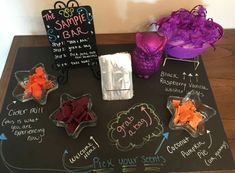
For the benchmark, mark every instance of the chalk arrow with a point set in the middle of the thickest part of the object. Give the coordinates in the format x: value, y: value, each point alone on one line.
x: 165, y: 137
x: 66, y: 152
x: 13, y: 102
x: 196, y: 75
x: 209, y: 133
x: 92, y: 138
x: 190, y: 76
x: 184, y: 74
x: 13, y: 168
x: 3, y: 137
x: 143, y: 109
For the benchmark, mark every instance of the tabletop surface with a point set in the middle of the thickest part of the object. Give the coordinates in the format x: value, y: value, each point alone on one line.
x: 219, y: 65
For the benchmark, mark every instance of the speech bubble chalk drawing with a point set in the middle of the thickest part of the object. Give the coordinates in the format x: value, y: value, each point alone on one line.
x: 135, y: 127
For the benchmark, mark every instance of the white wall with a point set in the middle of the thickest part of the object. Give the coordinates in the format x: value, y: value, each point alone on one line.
x: 110, y: 16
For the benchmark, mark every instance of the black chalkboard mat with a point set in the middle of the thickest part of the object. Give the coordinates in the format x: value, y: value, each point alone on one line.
x: 30, y: 142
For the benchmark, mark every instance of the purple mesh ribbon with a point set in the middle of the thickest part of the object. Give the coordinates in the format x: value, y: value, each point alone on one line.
x: 190, y: 29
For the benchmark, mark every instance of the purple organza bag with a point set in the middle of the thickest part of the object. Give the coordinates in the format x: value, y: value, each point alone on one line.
x: 189, y: 33
x: 147, y: 55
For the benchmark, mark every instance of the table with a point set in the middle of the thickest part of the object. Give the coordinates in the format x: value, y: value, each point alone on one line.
x: 219, y: 64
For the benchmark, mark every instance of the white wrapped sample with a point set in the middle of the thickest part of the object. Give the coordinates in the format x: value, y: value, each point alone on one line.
x: 116, y: 76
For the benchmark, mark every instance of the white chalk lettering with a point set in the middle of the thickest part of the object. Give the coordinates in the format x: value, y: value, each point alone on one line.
x: 170, y: 75
x: 171, y: 149
x: 192, y: 150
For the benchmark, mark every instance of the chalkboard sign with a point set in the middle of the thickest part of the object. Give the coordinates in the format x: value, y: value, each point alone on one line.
x: 71, y: 33
x: 130, y: 135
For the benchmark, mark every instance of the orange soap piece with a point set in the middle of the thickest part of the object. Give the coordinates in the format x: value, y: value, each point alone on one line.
x: 195, y: 120
x: 39, y: 71
x: 40, y: 81
x: 176, y: 103
x: 186, y: 113
x: 37, y: 82
x: 188, y: 105
x: 176, y: 117
x: 184, y: 117
x: 36, y: 90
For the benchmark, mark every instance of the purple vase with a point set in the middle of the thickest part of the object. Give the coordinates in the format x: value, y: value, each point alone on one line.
x: 147, y: 55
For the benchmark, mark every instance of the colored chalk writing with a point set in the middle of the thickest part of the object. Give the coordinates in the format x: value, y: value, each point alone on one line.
x: 24, y: 123
x: 134, y: 127
x: 71, y: 33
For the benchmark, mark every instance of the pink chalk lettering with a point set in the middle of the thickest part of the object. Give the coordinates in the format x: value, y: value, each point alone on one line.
x: 72, y: 33
x: 73, y: 21
x: 48, y: 17
x: 125, y: 124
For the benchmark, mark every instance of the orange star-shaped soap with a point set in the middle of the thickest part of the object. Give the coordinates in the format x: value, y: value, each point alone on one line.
x: 34, y: 84
x: 189, y: 113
